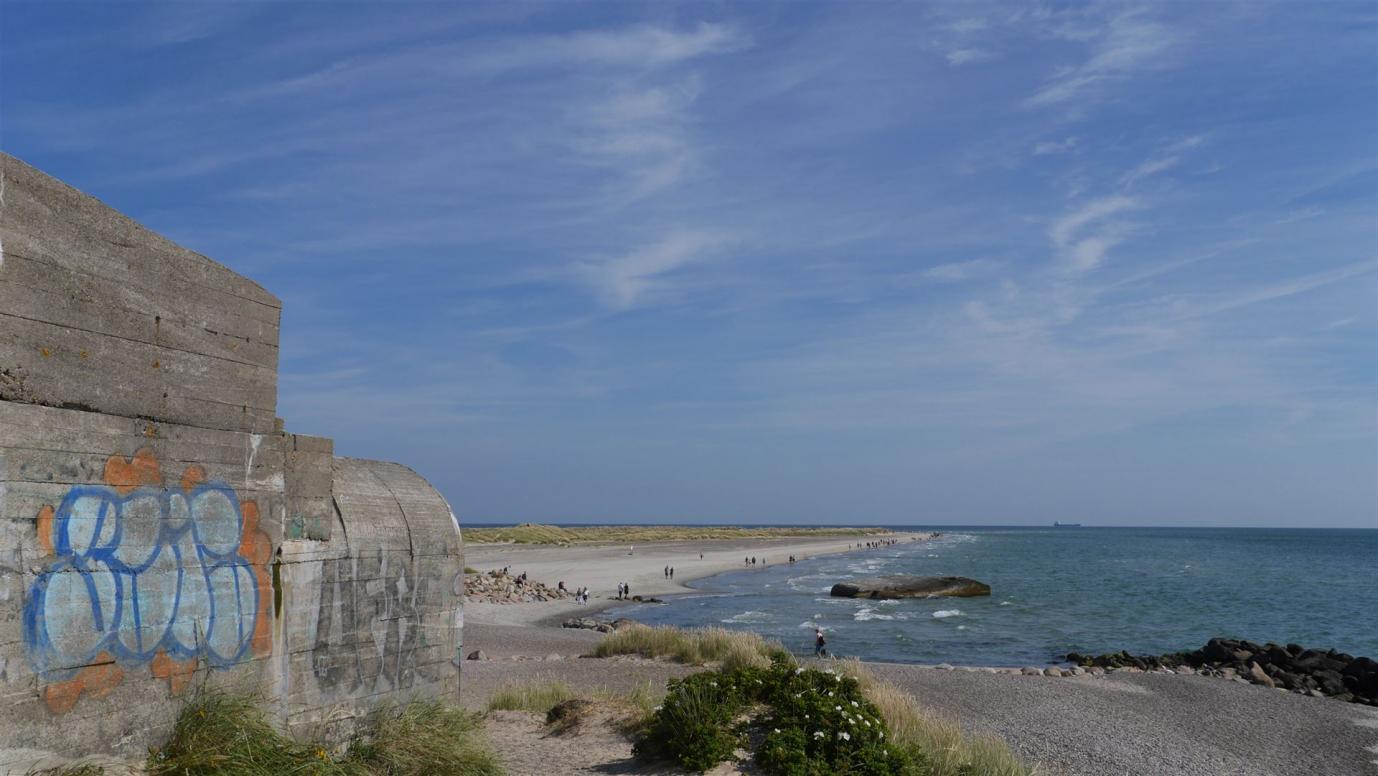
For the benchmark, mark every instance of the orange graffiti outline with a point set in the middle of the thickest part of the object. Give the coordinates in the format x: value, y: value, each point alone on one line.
x: 128, y: 476
x: 96, y: 680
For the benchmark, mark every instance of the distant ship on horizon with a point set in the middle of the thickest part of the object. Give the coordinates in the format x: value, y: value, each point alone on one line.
x: 1056, y: 524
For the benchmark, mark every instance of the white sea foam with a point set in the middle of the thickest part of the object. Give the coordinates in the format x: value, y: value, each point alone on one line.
x: 870, y: 614
x: 1004, y: 603
x: 749, y: 616
x: 943, y: 614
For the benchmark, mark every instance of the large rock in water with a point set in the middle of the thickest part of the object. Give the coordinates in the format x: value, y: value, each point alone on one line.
x: 905, y: 586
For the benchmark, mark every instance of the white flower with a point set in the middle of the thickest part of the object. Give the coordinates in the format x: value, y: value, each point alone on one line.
x: 830, y: 694
x: 798, y: 670
x: 818, y: 734
x: 855, y: 704
x: 715, y: 684
x: 777, y: 730
x: 882, y: 735
x: 806, y: 716
x: 867, y: 721
x: 845, y: 736
x: 658, y: 708
x: 837, y: 708
x: 851, y: 721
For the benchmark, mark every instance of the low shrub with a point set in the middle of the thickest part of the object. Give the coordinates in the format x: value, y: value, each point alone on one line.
x: 807, y: 722
x: 696, y: 724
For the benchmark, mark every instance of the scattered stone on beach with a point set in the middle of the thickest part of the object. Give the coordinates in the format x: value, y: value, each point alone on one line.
x: 602, y: 626
x: 1292, y: 667
x: 499, y: 587
x: 907, y: 586
x: 478, y: 654
x: 1031, y: 671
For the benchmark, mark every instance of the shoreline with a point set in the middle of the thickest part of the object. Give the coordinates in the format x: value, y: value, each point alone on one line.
x: 601, y: 566
x: 1074, y: 723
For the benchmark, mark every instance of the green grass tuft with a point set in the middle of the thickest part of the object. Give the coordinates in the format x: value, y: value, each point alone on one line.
x: 698, y: 646
x: 221, y: 734
x: 538, y: 696
x: 422, y: 738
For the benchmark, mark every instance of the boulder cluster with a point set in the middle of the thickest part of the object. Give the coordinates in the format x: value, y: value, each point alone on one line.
x: 602, y: 626
x: 1291, y: 667
x: 499, y: 587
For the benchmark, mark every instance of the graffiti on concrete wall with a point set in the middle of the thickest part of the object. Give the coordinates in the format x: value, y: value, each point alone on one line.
x: 367, y: 626
x: 146, y: 574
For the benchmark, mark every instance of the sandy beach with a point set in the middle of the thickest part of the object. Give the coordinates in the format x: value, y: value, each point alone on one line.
x: 1145, y: 724
x: 601, y: 567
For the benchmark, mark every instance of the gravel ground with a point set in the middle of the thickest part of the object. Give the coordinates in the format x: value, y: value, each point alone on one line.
x: 1157, y: 724
x: 1118, y: 725
x: 518, y: 655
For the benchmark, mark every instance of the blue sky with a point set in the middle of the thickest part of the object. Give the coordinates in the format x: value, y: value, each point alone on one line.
x: 859, y: 262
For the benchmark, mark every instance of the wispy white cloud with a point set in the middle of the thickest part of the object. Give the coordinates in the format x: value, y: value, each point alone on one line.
x: 1054, y: 147
x: 1084, y: 235
x: 1168, y: 159
x: 1125, y: 45
x: 966, y: 56
x: 960, y: 270
x: 648, y: 272
x: 640, y: 46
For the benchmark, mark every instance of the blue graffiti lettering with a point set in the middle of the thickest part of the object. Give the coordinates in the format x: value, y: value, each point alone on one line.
x: 153, y: 570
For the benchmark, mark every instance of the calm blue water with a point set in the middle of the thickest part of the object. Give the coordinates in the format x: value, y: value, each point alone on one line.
x: 1061, y: 590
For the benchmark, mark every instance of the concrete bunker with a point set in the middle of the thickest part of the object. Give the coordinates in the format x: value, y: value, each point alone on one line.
x: 160, y: 528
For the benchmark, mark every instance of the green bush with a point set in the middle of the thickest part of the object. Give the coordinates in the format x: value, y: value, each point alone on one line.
x: 695, y: 725
x: 808, y: 723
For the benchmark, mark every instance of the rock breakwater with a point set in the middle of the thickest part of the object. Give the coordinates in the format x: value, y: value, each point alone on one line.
x: 1291, y: 667
x: 500, y: 587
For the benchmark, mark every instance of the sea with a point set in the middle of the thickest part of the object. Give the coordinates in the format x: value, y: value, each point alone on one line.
x: 1059, y: 590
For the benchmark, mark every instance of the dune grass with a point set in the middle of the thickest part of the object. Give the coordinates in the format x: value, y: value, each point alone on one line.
x: 697, y: 646
x: 538, y: 696
x: 422, y: 738
x: 542, y: 694
x: 76, y: 769
x: 531, y: 533
x: 937, y: 743
x: 219, y: 734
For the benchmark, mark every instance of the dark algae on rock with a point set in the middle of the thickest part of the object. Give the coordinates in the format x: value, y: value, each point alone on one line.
x: 1291, y: 667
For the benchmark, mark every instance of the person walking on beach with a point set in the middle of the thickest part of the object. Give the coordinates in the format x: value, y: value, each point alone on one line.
x: 820, y: 644
x: 626, y: 588
x: 671, y: 573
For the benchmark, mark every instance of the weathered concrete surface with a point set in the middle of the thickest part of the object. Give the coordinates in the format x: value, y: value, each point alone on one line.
x: 159, y: 529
